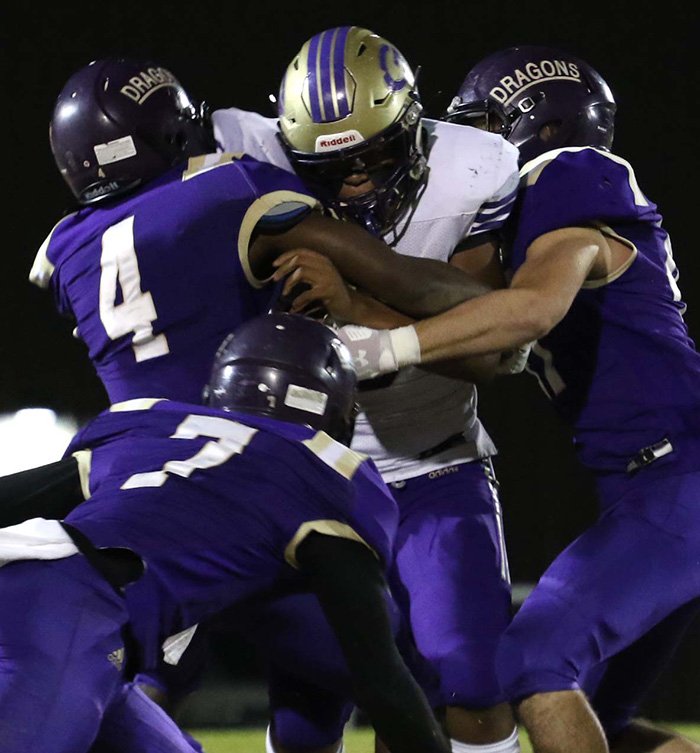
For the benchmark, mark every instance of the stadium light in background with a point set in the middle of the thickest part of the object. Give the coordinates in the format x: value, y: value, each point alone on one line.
x: 32, y: 437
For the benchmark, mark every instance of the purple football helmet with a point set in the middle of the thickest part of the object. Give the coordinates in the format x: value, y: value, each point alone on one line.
x: 288, y: 367
x: 118, y: 123
x: 538, y: 98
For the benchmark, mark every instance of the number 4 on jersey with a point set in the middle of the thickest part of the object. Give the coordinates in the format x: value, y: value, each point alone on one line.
x: 137, y: 311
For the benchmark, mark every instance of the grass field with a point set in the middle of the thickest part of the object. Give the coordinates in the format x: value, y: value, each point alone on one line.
x: 356, y: 741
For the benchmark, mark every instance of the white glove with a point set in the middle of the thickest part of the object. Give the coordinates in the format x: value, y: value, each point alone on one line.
x: 514, y: 361
x: 380, y: 351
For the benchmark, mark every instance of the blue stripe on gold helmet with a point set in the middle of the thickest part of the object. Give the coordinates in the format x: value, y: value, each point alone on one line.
x: 348, y: 101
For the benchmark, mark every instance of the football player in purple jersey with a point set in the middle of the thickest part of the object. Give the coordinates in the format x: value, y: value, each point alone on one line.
x: 595, y: 284
x: 351, y: 125
x: 192, y: 509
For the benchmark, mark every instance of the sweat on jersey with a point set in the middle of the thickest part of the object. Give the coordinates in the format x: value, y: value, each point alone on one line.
x: 156, y: 279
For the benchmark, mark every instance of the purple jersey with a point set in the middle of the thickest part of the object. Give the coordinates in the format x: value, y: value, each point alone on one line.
x: 215, y: 504
x: 157, y: 279
x: 620, y: 367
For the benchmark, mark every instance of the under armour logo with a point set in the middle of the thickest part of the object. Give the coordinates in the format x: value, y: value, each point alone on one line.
x: 116, y: 658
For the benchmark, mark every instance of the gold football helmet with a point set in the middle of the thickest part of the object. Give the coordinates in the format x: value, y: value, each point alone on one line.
x: 348, y: 104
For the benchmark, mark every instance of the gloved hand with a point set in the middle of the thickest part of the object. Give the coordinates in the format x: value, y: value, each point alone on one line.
x: 380, y: 351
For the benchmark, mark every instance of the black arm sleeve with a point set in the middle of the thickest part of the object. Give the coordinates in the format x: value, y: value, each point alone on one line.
x: 349, y: 583
x: 49, y: 491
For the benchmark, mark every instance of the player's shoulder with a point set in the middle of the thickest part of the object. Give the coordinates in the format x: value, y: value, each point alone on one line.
x: 339, y: 457
x: 205, y: 163
x: 50, y: 252
x: 157, y: 417
x: 579, y: 186
x: 587, y: 177
x: 577, y: 162
x: 238, y: 171
x: 315, y: 445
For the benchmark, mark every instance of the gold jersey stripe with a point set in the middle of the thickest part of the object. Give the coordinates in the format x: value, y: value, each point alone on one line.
x: 340, y: 458
x: 138, y: 403
x: 203, y: 163
x: 255, y: 212
x: 601, y: 281
x: 84, y: 458
x: 325, y: 527
x: 42, y: 269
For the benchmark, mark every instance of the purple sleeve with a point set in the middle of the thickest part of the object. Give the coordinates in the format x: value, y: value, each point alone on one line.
x: 289, y: 198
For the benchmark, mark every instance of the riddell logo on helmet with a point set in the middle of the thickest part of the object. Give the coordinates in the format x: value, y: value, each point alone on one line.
x: 532, y: 73
x: 334, y: 141
x: 146, y: 82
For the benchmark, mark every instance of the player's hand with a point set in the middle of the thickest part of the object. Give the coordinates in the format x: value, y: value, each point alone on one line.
x: 371, y: 350
x: 321, y: 281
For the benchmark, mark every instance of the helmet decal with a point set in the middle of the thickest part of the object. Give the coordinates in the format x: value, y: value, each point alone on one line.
x: 306, y: 399
x: 145, y: 83
x: 115, y: 150
x: 388, y: 62
x: 538, y: 98
x: 342, y: 140
x: 512, y: 86
x: 328, y: 95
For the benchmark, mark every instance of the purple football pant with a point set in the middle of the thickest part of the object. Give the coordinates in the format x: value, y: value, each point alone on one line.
x: 623, y: 584
x: 451, y: 579
x: 618, y: 687
x: 61, y: 660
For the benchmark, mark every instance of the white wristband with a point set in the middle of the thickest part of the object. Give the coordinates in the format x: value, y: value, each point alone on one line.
x: 405, y: 344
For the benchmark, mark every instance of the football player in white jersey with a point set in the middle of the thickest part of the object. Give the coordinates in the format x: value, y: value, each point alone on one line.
x: 351, y: 125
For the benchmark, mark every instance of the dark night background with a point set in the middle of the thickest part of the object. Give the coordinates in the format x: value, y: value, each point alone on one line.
x: 234, y: 54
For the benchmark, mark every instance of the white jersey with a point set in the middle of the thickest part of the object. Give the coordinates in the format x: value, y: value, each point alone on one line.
x: 245, y: 131
x: 420, y: 421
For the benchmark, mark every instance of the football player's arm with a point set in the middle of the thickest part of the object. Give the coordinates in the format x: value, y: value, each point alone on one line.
x: 316, y: 286
x: 49, y: 491
x: 325, y: 292
x: 348, y: 580
x: 480, y: 258
x: 540, y: 294
x: 416, y: 287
